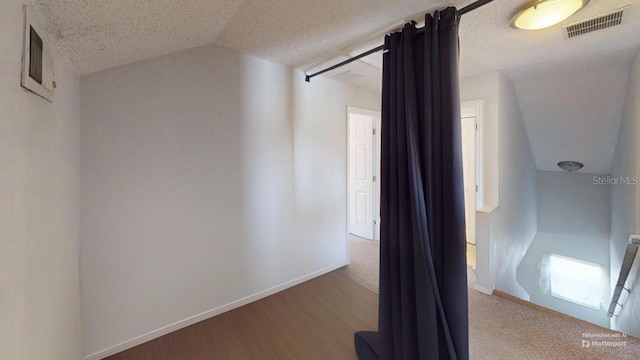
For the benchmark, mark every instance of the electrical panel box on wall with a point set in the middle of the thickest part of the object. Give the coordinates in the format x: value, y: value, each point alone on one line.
x: 37, y: 56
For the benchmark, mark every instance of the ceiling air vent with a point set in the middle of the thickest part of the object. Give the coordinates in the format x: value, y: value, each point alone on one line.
x: 601, y: 22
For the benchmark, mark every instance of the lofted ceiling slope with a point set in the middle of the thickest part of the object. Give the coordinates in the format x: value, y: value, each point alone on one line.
x: 575, y: 116
x: 97, y: 35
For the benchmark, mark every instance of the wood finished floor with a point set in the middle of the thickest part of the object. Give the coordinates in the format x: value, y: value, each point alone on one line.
x: 314, y: 320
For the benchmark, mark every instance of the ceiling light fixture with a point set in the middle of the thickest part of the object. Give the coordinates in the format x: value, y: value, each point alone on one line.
x: 542, y: 14
x: 570, y: 166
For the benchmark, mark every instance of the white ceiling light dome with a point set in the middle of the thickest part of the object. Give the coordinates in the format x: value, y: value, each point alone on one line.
x: 570, y: 166
x: 542, y: 14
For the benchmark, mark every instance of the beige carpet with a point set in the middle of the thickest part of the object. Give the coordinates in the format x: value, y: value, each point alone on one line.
x: 502, y: 329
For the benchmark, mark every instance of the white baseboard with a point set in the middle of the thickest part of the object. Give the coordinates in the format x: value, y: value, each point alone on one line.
x: 483, y: 289
x: 112, y: 350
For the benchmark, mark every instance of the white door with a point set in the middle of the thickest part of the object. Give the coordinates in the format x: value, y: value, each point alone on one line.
x: 361, y: 172
x: 469, y: 168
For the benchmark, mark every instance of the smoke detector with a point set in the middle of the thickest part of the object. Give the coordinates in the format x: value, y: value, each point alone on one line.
x: 570, y: 166
x: 600, y: 22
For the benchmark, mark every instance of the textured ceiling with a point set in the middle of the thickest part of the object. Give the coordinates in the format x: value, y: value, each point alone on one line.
x: 489, y: 43
x: 570, y: 113
x: 575, y: 116
x: 97, y: 35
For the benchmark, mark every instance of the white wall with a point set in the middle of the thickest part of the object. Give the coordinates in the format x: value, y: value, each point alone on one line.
x: 517, y: 209
x: 509, y: 218
x: 485, y: 87
x: 573, y: 221
x: 208, y: 176
x: 573, y: 204
x: 39, y: 201
x: 320, y: 143
x: 625, y: 201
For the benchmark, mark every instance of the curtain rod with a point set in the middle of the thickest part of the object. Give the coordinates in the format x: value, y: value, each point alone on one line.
x: 460, y: 12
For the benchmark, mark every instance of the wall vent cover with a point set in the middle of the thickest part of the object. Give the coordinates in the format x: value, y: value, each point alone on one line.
x: 37, y: 56
x: 601, y: 22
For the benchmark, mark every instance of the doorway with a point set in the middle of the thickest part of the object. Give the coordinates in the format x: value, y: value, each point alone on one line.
x: 471, y: 116
x: 362, y: 173
x: 363, y: 153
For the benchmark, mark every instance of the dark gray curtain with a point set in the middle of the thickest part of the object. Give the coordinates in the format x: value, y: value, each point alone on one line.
x: 423, y: 279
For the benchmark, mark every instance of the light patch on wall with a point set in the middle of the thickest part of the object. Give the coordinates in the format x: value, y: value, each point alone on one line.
x: 573, y: 280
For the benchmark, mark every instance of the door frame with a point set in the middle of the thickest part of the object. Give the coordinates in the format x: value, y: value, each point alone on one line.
x: 475, y: 108
x: 376, y: 166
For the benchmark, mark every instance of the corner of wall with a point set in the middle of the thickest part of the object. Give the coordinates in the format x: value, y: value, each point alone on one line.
x: 39, y: 179
x: 517, y: 174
